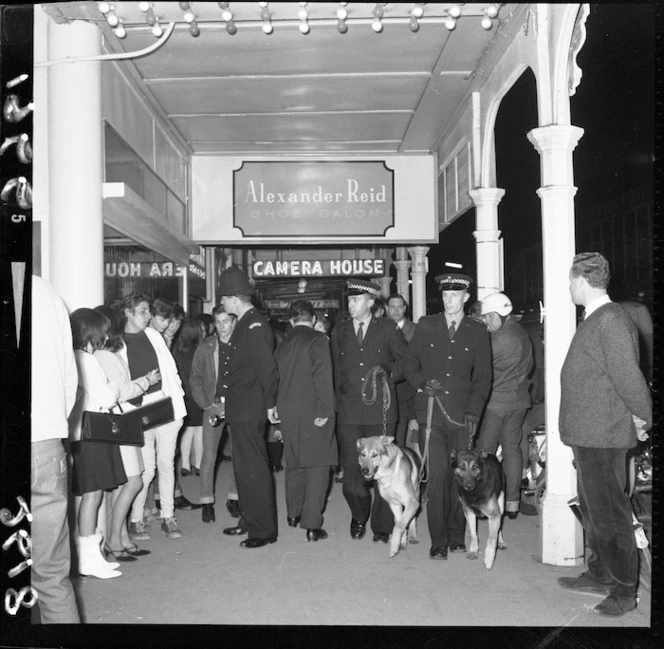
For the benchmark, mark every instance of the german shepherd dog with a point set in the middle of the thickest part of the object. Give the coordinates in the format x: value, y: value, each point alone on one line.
x: 397, y: 472
x: 481, y: 492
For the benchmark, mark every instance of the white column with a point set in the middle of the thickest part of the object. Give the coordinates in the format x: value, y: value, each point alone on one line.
x: 75, y: 161
x: 402, y: 264
x: 419, y: 271
x: 560, y: 533
x: 489, y: 245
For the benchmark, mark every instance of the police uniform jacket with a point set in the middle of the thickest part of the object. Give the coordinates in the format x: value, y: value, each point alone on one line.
x: 461, y: 365
x: 305, y: 393
x: 252, y: 370
x: 384, y: 345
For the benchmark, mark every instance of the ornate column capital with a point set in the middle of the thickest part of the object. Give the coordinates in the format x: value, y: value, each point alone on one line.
x: 555, y: 137
x: 486, y: 196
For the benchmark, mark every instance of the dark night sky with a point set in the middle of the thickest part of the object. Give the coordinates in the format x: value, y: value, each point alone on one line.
x: 614, y: 104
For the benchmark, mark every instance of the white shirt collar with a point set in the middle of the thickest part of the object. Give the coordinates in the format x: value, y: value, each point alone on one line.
x: 366, y: 321
x: 596, y: 304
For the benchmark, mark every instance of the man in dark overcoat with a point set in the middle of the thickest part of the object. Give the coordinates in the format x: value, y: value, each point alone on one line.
x: 251, y: 398
x: 605, y: 406
x: 366, y: 354
x: 449, y: 357
x: 305, y: 407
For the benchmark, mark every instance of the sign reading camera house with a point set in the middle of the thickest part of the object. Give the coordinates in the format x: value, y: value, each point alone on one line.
x: 313, y: 199
x: 315, y: 268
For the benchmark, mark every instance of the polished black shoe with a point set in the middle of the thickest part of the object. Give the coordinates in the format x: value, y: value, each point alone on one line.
x: 357, y: 529
x: 257, y: 543
x: 293, y: 522
x: 615, y: 606
x: 316, y: 535
x: 239, y: 529
x: 233, y: 507
x: 438, y: 552
x: 182, y: 503
x: 197, y: 472
x: 185, y: 472
x: 208, y: 513
x: 457, y: 547
x: 512, y: 515
x: 381, y: 537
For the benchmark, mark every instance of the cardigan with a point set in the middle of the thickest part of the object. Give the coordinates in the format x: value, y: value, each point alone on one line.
x: 602, y: 385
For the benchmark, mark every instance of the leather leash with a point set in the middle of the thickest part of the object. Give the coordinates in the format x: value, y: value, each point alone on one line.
x: 371, y: 379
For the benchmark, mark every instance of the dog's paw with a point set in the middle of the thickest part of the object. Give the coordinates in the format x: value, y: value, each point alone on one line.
x: 502, y: 546
x: 393, y: 553
x: 488, y: 563
x: 472, y: 555
x: 413, y: 540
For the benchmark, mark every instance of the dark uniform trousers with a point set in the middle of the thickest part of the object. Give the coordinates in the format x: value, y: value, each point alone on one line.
x: 357, y: 490
x: 447, y: 523
x: 306, y: 492
x: 255, y: 485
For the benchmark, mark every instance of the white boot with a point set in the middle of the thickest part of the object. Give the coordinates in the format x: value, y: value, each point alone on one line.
x: 111, y: 564
x: 90, y: 560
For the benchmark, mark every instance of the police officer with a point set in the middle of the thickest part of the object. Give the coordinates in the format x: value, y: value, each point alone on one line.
x: 250, y: 400
x: 366, y: 355
x: 449, y: 356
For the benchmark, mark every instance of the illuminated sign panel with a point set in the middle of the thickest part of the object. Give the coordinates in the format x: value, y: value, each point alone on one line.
x: 326, y: 268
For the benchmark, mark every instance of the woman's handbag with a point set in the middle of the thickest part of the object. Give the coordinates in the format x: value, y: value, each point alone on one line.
x: 112, y: 428
x: 156, y: 412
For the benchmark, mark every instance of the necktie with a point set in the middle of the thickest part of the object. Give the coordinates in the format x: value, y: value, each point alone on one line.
x: 360, y: 333
x: 452, y: 329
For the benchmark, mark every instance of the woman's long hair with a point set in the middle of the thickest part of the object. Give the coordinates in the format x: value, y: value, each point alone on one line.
x: 89, y: 326
x: 115, y: 340
x: 190, y: 336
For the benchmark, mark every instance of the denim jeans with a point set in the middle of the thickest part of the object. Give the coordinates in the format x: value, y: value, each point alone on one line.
x: 159, y: 456
x: 505, y: 429
x: 211, y: 439
x: 607, y: 517
x: 50, y: 534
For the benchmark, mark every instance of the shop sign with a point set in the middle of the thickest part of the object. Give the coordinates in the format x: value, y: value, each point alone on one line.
x: 151, y: 269
x: 315, y: 268
x: 313, y: 198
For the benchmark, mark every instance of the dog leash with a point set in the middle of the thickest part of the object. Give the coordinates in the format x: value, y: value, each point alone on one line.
x: 372, y: 380
x: 424, y: 470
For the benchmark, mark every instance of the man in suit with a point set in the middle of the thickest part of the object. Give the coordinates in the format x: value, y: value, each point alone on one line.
x: 305, y: 403
x: 366, y: 354
x: 605, y: 407
x: 251, y: 398
x: 449, y: 357
x: 396, y: 310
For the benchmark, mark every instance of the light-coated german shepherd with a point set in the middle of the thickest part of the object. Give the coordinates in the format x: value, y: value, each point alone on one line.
x: 397, y: 472
x: 481, y: 491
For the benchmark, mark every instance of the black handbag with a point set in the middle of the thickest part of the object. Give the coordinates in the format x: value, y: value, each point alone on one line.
x: 155, y: 413
x: 112, y: 428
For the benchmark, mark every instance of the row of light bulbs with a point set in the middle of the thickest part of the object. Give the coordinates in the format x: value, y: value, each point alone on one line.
x: 453, y: 13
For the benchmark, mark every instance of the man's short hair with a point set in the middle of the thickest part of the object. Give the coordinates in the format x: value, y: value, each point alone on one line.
x: 178, y: 311
x: 162, y: 307
x: 220, y: 309
x: 131, y: 301
x: 592, y: 266
x: 301, y: 311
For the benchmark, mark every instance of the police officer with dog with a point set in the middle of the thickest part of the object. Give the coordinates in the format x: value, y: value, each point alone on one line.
x: 448, y: 358
x: 366, y: 355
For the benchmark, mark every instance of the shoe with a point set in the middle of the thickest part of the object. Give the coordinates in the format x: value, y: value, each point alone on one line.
x: 138, y: 532
x: 614, y: 606
x: 527, y: 509
x: 119, y: 555
x: 525, y: 483
x: 339, y: 476
x: 438, y: 552
x: 316, y: 535
x: 182, y: 503
x: 457, y: 547
x: 152, y: 515
x: 170, y: 528
x: 257, y: 543
x: 197, y: 471
x: 357, y: 529
x: 226, y: 458
x: 293, y: 522
x: 239, y: 529
x: 511, y: 515
x: 185, y: 472
x: 233, y: 507
x: 584, y: 583
x: 381, y: 537
x: 91, y: 562
x: 208, y: 513
x: 135, y: 551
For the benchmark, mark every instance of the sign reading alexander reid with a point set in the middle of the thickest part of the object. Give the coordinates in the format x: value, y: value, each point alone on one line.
x: 313, y: 198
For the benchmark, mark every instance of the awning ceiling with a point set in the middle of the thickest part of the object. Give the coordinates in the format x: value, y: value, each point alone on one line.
x: 363, y: 91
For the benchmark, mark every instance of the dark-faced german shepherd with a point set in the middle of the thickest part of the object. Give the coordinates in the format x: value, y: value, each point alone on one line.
x: 481, y: 491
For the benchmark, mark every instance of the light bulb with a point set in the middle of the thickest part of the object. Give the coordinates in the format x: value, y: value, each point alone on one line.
x: 418, y: 12
x: 104, y: 7
x: 189, y: 16
x: 491, y: 11
x: 157, y: 31
x: 342, y: 14
x: 230, y: 27
x: 304, y: 27
x: 120, y: 31
x: 184, y: 5
x: 112, y: 20
x: 378, y: 11
x: 267, y: 28
x: 150, y: 17
x: 414, y: 25
x: 263, y: 4
x: 377, y: 26
x: 265, y: 14
x: 144, y: 6
x: 486, y: 22
x: 450, y: 23
x: 302, y: 14
x: 194, y: 30
x: 454, y: 11
x: 342, y: 26
x: 226, y: 15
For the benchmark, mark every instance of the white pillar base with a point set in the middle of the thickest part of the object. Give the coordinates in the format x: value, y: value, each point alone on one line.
x: 560, y: 549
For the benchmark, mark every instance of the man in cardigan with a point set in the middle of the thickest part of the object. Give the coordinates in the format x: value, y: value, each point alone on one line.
x: 449, y: 357
x: 365, y: 350
x: 605, y: 407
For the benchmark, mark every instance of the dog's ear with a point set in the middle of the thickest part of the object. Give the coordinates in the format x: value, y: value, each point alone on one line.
x: 360, y: 444
x: 385, y: 440
x: 453, y: 455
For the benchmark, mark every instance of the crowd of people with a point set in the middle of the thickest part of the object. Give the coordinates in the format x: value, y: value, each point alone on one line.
x: 315, y: 389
